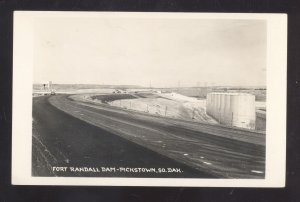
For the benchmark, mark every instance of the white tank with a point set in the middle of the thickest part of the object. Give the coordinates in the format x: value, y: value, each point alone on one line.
x: 232, y: 109
x: 49, y: 85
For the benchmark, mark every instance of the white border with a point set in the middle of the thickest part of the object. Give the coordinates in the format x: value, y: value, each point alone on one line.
x: 22, y: 103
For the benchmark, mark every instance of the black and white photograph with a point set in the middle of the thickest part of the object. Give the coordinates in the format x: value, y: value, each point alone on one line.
x: 152, y: 96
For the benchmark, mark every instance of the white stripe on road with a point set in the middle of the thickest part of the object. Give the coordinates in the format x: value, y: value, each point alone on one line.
x: 256, y: 171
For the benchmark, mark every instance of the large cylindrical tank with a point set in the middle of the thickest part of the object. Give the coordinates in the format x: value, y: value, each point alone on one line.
x: 232, y: 109
x: 49, y: 85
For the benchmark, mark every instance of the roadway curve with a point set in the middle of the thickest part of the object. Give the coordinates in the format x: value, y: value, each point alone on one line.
x: 78, y: 133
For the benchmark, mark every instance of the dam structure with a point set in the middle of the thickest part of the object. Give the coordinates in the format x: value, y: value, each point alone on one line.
x: 232, y: 109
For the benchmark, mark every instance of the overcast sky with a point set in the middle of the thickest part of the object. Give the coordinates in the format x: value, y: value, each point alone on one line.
x: 165, y: 52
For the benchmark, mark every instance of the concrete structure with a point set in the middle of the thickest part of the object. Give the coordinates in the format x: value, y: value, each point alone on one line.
x: 232, y: 109
x: 50, y: 85
x: 46, y: 89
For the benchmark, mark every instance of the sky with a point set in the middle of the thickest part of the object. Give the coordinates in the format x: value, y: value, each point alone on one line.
x: 161, y: 52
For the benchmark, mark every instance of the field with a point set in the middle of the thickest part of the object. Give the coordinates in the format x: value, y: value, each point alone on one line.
x: 72, y: 87
x: 198, y: 92
x: 201, y: 92
x: 106, y: 99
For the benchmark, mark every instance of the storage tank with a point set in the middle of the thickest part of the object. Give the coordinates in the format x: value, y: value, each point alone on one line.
x: 49, y: 85
x: 232, y: 109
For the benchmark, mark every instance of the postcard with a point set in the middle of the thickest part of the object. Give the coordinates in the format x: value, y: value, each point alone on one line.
x: 149, y: 99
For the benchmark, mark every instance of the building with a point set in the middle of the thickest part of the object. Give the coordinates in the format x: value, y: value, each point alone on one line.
x: 232, y: 109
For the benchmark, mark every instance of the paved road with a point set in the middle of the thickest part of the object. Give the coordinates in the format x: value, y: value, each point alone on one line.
x: 60, y: 140
x: 104, y: 136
